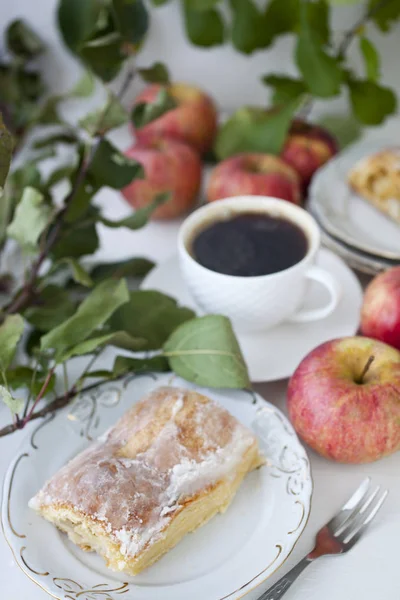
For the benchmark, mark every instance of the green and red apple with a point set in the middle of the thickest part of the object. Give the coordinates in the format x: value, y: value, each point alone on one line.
x: 380, y: 314
x: 344, y: 399
x: 307, y: 148
x: 193, y: 120
x: 254, y: 174
x: 169, y: 166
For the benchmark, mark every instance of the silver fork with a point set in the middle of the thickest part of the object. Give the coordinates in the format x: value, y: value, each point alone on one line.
x: 337, y: 536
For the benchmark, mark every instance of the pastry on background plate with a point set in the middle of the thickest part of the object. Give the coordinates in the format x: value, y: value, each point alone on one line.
x: 172, y: 462
x: 377, y: 179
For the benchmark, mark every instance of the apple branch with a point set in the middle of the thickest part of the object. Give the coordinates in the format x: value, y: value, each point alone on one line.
x: 24, y: 297
x: 57, y: 403
x: 355, y: 29
x: 366, y: 368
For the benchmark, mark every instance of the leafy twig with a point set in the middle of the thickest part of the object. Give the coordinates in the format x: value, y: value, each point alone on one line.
x: 39, y: 396
x: 24, y: 297
x: 353, y: 31
x: 57, y: 404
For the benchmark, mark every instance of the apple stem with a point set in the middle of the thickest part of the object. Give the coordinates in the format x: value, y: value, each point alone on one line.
x: 366, y: 368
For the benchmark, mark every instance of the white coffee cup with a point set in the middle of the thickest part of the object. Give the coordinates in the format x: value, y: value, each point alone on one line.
x: 260, y: 302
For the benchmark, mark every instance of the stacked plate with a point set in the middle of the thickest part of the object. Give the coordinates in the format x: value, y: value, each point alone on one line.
x: 365, y: 238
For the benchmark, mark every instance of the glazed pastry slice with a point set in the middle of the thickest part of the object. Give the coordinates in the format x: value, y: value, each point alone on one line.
x: 170, y: 464
x: 377, y: 179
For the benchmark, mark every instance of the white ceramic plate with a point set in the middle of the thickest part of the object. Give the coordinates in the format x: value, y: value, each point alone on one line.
x: 347, y: 216
x: 356, y: 259
x: 275, y: 353
x: 226, y: 558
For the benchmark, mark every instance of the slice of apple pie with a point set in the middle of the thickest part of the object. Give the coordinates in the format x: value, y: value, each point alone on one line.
x: 377, y: 179
x: 171, y: 463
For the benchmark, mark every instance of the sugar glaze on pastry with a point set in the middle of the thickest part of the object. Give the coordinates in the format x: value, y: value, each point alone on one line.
x: 171, y: 463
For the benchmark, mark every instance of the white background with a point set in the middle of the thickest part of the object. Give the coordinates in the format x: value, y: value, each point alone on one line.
x: 370, y: 571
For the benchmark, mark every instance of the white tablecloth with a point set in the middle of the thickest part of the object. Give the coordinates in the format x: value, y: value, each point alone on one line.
x: 370, y: 571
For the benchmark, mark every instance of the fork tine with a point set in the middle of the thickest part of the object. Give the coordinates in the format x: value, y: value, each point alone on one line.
x: 357, y: 514
x: 360, y: 524
x: 351, y: 506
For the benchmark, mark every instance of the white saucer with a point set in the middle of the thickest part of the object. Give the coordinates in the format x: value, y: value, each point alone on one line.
x: 275, y: 354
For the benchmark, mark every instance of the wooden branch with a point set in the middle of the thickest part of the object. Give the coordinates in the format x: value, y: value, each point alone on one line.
x: 57, y: 404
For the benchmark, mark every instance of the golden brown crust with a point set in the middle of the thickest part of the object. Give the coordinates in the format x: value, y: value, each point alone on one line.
x: 124, y: 496
x: 377, y: 179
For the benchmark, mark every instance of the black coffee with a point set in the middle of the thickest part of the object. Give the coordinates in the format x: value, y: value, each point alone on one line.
x: 250, y: 244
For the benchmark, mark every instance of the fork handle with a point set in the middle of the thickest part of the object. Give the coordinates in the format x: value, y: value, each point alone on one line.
x: 283, y: 584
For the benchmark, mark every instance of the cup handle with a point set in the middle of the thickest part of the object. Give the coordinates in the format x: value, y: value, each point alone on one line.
x: 333, y: 287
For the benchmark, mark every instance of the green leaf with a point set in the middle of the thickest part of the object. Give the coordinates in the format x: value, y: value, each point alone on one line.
x: 93, y: 312
x: 120, y: 339
x: 112, y: 168
x: 6, y: 150
x: 150, y: 315
x: 25, y: 377
x: 205, y: 350
x: 145, y: 112
x: 84, y: 87
x: 11, y: 331
x: 248, y: 31
x: 321, y: 72
x: 62, y: 137
x: 54, y: 306
x: 32, y: 217
x: 132, y: 267
x: 202, y: 4
x: 110, y: 116
x: 63, y: 172
x: 48, y: 112
x: 255, y: 130
x: 344, y: 2
x: 204, y: 28
x: 77, y: 20
x: 371, y: 59
x: 22, y: 41
x: 281, y: 17
x: 344, y: 127
x: 371, y: 102
x: 80, y: 204
x: 76, y: 240
x: 79, y: 274
x: 132, y: 19
x: 386, y: 15
x: 140, y: 217
x: 104, y: 55
x: 126, y: 364
x: 27, y: 175
x: 14, y: 404
x: 159, y: 2
x: 157, y: 73
x: 284, y: 88
x: 98, y: 373
x: 318, y: 16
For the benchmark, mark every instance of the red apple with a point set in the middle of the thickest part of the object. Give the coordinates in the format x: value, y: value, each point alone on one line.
x: 193, y: 121
x: 169, y: 166
x: 380, y: 314
x: 307, y: 148
x: 255, y: 174
x: 344, y: 406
